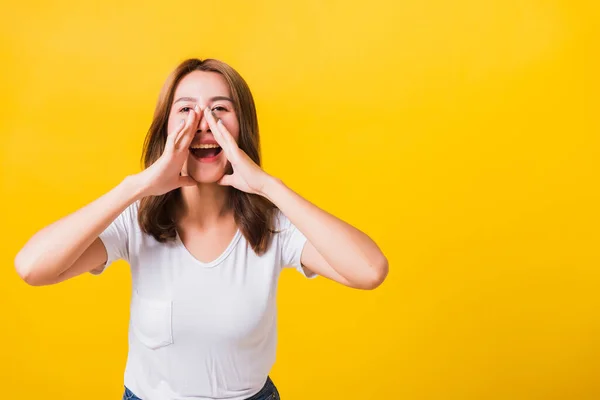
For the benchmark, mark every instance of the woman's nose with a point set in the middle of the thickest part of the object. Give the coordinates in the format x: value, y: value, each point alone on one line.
x: 202, y: 122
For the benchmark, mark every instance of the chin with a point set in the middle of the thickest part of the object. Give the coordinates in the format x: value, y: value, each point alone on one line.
x: 206, y: 175
x: 206, y: 179
x: 206, y: 172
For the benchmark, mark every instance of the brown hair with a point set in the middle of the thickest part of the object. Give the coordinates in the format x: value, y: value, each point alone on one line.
x: 253, y: 213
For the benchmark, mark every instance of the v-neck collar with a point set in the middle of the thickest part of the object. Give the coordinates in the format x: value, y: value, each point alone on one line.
x: 216, y: 261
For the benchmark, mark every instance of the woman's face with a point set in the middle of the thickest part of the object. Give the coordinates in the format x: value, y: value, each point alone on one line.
x: 207, y: 89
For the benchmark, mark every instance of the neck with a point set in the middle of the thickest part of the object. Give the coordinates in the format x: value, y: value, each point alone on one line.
x: 204, y: 205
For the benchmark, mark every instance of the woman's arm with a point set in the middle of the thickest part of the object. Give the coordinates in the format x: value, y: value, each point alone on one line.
x: 55, y: 249
x: 335, y: 249
x: 71, y: 246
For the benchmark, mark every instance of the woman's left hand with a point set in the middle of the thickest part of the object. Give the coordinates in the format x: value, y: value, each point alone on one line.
x: 247, y: 176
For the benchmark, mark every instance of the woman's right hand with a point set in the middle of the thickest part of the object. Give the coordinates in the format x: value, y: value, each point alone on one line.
x: 165, y: 174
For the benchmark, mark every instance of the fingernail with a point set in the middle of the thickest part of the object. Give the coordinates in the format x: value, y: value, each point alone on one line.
x: 197, y: 108
x: 182, y: 122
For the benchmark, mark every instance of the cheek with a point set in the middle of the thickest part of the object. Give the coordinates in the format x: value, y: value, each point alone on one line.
x: 234, y: 129
x: 236, y: 135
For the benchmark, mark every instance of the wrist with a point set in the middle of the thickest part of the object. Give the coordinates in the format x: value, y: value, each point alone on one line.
x: 133, y: 186
x: 271, y: 187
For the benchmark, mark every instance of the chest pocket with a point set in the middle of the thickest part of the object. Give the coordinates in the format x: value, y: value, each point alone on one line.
x: 151, y: 321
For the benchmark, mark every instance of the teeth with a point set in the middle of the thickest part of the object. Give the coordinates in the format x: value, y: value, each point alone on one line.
x: 204, y: 146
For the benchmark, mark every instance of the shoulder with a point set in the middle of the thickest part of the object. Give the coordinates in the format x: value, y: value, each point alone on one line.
x: 131, y: 211
x: 280, y: 221
x: 129, y: 217
x: 134, y: 207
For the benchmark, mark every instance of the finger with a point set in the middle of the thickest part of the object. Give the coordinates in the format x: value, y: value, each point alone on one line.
x: 188, y: 137
x: 226, y: 180
x: 182, y: 131
x: 186, y: 181
x: 172, y: 136
x: 189, y: 126
x: 226, y: 134
x: 210, y: 118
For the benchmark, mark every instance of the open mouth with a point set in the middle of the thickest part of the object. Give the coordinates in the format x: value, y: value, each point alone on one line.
x: 205, y: 151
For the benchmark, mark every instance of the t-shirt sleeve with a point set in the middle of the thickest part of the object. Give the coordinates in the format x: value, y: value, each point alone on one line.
x: 116, y: 237
x: 291, y: 242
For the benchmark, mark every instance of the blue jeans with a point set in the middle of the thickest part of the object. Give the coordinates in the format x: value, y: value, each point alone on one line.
x: 268, y: 392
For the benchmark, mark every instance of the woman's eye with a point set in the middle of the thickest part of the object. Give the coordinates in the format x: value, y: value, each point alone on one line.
x: 185, y: 109
x: 219, y: 108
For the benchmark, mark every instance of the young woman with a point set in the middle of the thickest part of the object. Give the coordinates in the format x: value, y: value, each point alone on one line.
x: 206, y: 232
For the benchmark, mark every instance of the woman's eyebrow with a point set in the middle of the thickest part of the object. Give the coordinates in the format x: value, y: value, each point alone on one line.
x: 212, y: 99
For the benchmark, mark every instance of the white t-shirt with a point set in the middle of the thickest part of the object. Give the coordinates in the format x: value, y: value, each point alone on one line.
x: 197, y: 330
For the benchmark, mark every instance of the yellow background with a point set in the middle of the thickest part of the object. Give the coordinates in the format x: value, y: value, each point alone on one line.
x: 462, y: 135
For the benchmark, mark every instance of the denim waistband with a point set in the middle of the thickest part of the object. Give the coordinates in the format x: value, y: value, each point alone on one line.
x: 268, y: 391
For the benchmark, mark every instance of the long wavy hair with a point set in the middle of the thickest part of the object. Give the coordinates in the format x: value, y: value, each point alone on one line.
x: 254, y: 214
